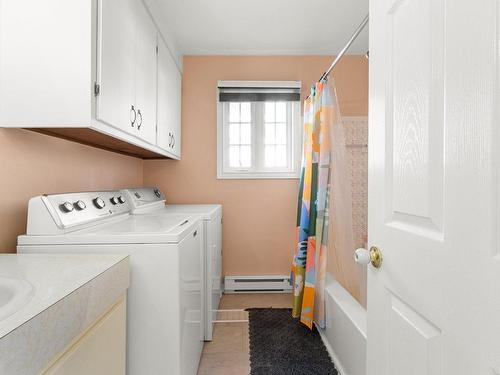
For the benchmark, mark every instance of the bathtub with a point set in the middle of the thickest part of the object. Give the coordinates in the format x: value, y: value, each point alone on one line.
x: 345, y: 332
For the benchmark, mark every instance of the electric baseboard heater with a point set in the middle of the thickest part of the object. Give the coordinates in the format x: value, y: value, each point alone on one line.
x: 257, y: 284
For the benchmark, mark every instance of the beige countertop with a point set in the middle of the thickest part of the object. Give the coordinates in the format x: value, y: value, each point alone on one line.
x: 62, y: 296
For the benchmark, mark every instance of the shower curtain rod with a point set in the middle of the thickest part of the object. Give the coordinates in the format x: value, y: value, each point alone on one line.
x: 346, y: 47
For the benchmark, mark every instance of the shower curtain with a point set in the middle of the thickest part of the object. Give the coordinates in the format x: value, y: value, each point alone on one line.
x: 323, y: 173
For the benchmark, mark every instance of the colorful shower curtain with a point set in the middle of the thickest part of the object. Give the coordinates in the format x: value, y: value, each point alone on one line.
x: 309, y: 263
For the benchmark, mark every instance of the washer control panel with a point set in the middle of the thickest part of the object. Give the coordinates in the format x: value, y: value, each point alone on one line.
x: 142, y: 197
x: 70, y: 209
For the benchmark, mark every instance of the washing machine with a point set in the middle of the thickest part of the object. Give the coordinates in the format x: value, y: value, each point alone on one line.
x: 151, y: 201
x: 165, y: 298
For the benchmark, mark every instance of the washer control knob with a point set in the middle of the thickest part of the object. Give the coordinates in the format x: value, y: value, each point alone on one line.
x: 66, y: 207
x: 121, y: 199
x: 114, y: 200
x: 99, y: 203
x: 80, y: 205
x: 157, y: 192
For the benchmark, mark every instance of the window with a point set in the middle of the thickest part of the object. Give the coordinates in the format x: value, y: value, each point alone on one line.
x: 259, y: 130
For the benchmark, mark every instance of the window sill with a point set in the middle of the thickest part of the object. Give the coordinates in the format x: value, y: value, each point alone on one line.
x: 258, y: 176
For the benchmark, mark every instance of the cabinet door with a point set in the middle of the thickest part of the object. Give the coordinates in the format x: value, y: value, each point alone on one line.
x: 145, y: 74
x: 45, y: 63
x: 169, y: 102
x: 176, y: 109
x: 101, y: 351
x: 116, y: 63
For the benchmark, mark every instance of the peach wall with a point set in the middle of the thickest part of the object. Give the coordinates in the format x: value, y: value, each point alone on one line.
x: 259, y: 215
x: 33, y: 164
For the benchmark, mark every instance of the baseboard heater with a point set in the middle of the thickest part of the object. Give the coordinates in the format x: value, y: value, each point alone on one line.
x: 257, y: 284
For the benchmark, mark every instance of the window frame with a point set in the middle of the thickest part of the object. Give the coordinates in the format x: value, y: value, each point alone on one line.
x: 257, y: 170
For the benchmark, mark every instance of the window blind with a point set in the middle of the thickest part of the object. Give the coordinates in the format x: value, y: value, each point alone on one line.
x: 259, y: 94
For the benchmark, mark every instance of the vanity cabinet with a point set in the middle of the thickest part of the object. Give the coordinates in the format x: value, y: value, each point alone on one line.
x: 101, y: 350
x: 88, y: 70
x: 169, y: 102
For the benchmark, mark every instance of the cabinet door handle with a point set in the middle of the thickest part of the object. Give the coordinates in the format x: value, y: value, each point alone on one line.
x: 169, y: 139
x: 140, y: 119
x: 173, y: 141
x: 132, y: 119
x: 195, y: 233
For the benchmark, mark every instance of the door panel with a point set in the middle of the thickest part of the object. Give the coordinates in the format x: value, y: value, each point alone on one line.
x: 434, y: 305
x: 145, y: 74
x: 169, y: 102
x: 116, y: 63
x: 420, y: 352
x: 414, y: 104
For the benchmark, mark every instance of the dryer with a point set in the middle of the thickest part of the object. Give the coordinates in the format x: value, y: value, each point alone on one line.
x: 151, y: 201
x: 165, y: 298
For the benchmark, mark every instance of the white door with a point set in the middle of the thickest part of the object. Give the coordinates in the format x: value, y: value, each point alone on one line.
x: 434, y: 305
x: 116, y: 63
x: 145, y: 75
x: 169, y: 102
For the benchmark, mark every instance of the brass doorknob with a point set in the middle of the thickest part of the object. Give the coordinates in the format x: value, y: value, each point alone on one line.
x: 373, y: 256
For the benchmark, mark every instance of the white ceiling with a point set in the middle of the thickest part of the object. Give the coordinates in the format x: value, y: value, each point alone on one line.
x: 261, y: 27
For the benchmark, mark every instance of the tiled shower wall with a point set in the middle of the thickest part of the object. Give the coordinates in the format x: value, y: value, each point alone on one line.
x: 356, y: 134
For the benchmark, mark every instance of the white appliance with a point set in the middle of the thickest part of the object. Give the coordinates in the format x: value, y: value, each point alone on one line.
x: 151, y: 201
x: 164, y: 322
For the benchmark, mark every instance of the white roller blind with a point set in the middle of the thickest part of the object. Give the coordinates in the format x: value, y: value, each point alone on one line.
x: 259, y: 91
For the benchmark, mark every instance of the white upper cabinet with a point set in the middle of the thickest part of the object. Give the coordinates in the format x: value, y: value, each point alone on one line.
x: 88, y: 71
x: 116, y: 63
x: 45, y: 63
x: 169, y: 102
x: 145, y: 75
x: 127, y: 68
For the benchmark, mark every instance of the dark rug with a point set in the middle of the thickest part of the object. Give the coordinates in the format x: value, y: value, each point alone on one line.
x: 280, y: 345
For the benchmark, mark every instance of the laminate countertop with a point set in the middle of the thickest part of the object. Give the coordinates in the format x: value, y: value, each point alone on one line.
x: 58, y: 296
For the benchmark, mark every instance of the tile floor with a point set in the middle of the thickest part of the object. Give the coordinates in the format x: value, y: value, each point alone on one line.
x: 228, y: 352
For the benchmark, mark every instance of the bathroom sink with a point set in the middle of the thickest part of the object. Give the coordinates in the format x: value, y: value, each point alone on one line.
x: 14, y: 294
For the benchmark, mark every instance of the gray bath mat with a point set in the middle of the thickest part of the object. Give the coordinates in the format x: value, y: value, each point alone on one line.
x: 280, y: 345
